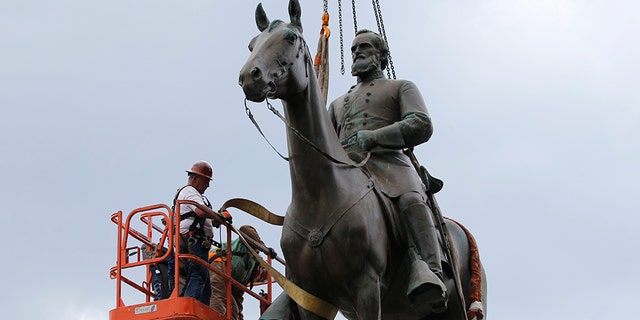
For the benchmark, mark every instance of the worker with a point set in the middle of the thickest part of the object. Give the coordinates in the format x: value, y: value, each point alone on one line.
x: 196, y: 232
x: 245, y: 269
x: 159, y: 274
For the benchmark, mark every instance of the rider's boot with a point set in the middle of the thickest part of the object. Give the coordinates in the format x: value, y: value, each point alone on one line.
x: 425, y: 281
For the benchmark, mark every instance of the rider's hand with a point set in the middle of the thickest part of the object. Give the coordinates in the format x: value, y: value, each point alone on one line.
x: 366, y: 140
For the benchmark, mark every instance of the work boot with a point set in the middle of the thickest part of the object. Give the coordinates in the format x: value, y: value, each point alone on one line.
x: 425, y: 282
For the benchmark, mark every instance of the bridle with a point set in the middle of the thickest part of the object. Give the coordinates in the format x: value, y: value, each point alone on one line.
x: 287, y: 67
x: 300, y: 136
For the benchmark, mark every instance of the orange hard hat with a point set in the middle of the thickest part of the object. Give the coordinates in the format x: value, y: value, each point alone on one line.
x: 202, y: 168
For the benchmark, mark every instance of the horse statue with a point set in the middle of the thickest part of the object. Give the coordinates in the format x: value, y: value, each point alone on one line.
x: 336, y: 240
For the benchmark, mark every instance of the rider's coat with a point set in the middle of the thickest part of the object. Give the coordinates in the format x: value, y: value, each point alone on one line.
x: 395, y: 110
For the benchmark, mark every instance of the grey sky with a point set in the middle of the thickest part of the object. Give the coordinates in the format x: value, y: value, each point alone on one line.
x: 535, y: 105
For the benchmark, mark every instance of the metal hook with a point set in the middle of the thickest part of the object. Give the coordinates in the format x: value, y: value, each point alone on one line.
x: 247, y: 110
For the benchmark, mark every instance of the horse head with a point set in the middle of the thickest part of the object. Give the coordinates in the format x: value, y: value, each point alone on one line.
x: 274, y: 69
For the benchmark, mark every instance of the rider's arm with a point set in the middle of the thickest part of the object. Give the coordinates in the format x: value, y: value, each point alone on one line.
x: 413, y: 128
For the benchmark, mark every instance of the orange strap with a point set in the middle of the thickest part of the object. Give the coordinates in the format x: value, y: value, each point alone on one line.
x: 326, y: 32
x: 325, y: 25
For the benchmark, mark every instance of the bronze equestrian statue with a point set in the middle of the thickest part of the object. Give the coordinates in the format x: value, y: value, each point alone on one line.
x: 342, y: 238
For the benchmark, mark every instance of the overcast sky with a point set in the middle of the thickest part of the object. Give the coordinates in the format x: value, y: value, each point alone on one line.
x: 535, y: 104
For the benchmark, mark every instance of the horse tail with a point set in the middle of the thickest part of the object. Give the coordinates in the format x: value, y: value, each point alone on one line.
x: 475, y: 295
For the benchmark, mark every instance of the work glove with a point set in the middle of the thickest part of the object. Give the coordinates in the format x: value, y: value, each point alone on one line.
x: 225, y: 215
x: 272, y: 253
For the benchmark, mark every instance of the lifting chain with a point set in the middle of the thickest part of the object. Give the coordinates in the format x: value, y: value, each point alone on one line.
x: 378, y: 13
x: 355, y: 30
x: 341, y: 37
x: 391, y: 71
x: 355, y: 22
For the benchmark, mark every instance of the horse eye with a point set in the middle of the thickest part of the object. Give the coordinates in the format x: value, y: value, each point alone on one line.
x: 291, y: 37
x: 250, y: 47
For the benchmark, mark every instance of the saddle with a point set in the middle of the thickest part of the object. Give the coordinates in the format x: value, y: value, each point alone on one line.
x: 431, y: 185
x: 396, y: 228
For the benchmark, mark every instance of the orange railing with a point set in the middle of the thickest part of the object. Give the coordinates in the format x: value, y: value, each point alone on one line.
x: 129, y: 256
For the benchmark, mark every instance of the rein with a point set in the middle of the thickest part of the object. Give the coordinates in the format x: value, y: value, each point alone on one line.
x: 255, y: 123
x: 300, y: 136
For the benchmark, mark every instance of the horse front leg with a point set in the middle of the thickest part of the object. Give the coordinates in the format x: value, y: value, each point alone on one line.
x: 367, y: 304
x: 367, y: 301
x: 308, y: 315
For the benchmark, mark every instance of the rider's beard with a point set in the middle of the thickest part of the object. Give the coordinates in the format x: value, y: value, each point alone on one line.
x: 365, y: 66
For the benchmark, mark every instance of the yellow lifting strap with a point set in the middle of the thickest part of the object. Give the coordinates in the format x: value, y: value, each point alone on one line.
x: 254, y: 209
x: 321, y: 61
x: 297, y: 294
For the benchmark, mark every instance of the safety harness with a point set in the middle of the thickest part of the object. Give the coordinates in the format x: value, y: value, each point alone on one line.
x: 198, y: 222
x: 243, y: 264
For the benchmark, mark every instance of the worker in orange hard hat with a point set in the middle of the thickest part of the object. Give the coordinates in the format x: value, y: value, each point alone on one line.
x: 202, y: 169
x: 196, y: 230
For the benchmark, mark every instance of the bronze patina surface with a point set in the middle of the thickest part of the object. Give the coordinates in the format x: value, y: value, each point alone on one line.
x: 338, y: 243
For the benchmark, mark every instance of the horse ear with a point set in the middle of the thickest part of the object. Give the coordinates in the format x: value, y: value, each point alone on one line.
x: 294, y: 13
x: 261, y: 18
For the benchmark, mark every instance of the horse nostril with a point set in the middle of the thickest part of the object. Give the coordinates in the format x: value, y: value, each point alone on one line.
x: 256, y: 73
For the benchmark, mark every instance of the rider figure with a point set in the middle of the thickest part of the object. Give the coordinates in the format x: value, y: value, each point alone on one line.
x: 385, y: 116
